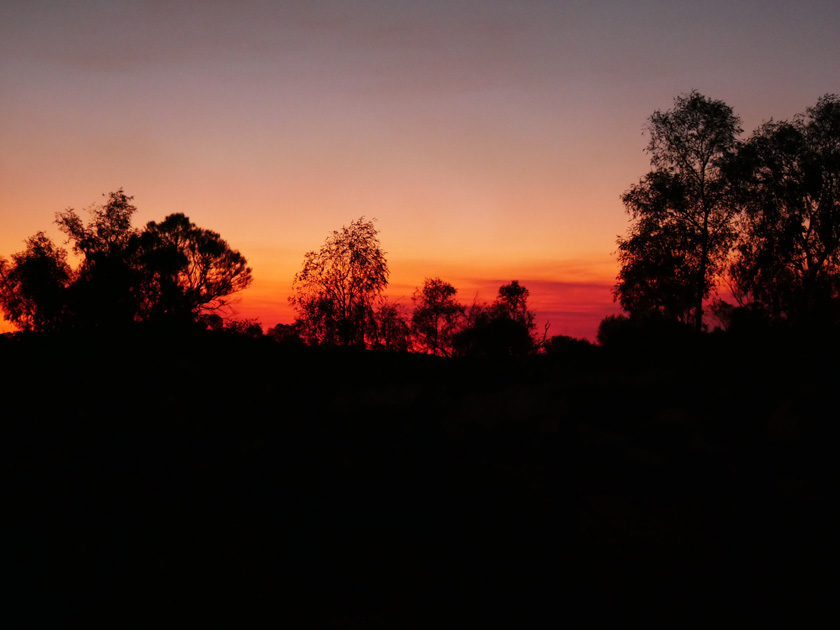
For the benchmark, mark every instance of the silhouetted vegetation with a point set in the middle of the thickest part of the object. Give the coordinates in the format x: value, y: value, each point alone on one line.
x: 503, y: 328
x: 336, y: 291
x: 676, y: 248
x: 437, y: 317
x: 760, y: 216
x: 170, y: 273
x: 788, y: 187
x: 379, y: 461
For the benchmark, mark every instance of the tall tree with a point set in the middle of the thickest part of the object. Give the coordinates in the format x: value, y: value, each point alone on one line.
x: 788, y: 174
x: 681, y: 212
x: 106, y: 289
x: 437, y: 316
x: 336, y: 292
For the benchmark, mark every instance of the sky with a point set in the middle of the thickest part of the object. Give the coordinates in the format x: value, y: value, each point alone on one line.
x: 490, y: 140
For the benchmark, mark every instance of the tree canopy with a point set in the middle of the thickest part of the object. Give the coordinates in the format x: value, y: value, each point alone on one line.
x: 33, y: 288
x: 788, y: 182
x: 172, y: 271
x: 339, y: 286
x: 437, y: 316
x: 190, y: 270
x: 682, y: 214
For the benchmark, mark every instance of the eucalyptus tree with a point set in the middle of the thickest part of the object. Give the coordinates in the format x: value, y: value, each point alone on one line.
x: 337, y: 290
x: 188, y: 271
x: 681, y: 211
x: 788, y: 182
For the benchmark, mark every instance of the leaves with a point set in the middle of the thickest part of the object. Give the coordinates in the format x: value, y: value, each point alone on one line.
x: 682, y: 212
x: 788, y: 184
x: 338, y: 286
x: 437, y: 316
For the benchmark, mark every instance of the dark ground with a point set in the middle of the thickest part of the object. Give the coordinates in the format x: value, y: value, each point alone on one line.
x: 210, y: 475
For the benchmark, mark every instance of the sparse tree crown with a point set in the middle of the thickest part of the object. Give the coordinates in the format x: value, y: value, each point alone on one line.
x: 336, y: 291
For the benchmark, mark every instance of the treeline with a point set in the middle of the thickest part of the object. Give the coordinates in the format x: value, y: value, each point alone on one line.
x: 174, y: 274
x: 757, y: 216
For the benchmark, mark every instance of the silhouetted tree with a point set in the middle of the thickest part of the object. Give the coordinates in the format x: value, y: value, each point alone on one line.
x: 512, y: 302
x: 393, y: 330
x: 504, y: 328
x: 107, y: 287
x: 788, y: 182
x: 188, y: 270
x: 682, y: 214
x: 33, y: 289
x: 336, y: 291
x: 437, y: 316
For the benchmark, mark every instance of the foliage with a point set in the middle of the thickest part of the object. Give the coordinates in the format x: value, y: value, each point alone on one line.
x: 393, y: 329
x: 33, y: 289
x: 189, y: 270
x: 336, y: 291
x: 245, y: 327
x: 682, y: 214
x: 108, y: 231
x: 286, y: 334
x: 788, y: 254
x: 173, y: 271
x: 644, y: 335
x: 107, y: 287
x: 503, y: 328
x: 437, y: 316
x: 566, y: 345
x: 512, y: 302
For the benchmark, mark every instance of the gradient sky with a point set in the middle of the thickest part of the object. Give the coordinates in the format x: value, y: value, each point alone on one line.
x: 491, y: 140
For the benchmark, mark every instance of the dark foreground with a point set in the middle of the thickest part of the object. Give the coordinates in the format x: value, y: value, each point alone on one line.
x: 210, y: 476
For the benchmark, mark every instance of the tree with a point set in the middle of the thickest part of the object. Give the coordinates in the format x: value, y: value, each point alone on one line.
x: 336, y: 291
x: 106, y: 290
x: 437, y: 316
x: 33, y: 289
x: 393, y: 330
x: 188, y: 271
x: 682, y: 213
x: 512, y: 302
x: 503, y: 328
x: 788, y: 256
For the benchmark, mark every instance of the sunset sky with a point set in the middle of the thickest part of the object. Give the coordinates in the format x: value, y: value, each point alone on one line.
x: 491, y: 140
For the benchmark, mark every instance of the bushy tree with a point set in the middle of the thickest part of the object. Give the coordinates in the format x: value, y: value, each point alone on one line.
x: 787, y: 177
x: 503, y: 328
x: 437, y: 316
x: 681, y: 210
x: 393, y: 329
x: 107, y: 287
x: 173, y: 271
x: 189, y: 271
x: 34, y: 287
x: 512, y: 302
x: 336, y: 292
